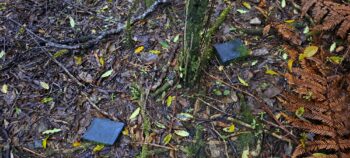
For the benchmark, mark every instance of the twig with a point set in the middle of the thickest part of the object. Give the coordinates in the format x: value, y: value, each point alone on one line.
x: 234, y: 120
x: 32, y: 152
x: 261, y: 103
x: 226, y: 151
x: 164, y: 70
x: 98, y: 108
x: 79, y: 83
x: 160, y: 146
x: 98, y: 38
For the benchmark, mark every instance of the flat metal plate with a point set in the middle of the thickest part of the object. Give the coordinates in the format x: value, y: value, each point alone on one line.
x: 103, y: 131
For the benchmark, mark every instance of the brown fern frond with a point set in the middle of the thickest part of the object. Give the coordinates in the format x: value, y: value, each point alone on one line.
x: 328, y: 15
x: 326, y: 112
x: 313, y: 146
x: 314, y: 128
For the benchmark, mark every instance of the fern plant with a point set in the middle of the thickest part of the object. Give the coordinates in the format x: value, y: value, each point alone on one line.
x: 328, y: 15
x: 325, y: 112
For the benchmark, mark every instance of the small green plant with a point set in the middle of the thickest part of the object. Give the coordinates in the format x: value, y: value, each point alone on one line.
x: 135, y: 92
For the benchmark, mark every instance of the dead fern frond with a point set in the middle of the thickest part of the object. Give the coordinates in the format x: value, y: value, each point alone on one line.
x: 325, y: 98
x: 328, y: 15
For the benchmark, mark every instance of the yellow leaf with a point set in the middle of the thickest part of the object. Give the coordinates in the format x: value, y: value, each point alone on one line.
x: 230, y: 129
x: 321, y: 155
x: 125, y: 132
x: 139, y: 49
x: 289, y: 21
x: 44, y: 142
x: 102, y: 61
x: 271, y: 72
x: 135, y: 113
x: 308, y: 52
x: 156, y: 52
x: 4, y: 88
x: 60, y: 53
x: 78, y: 60
x: 167, y: 139
x: 300, y: 111
x: 243, y: 82
x: 247, y: 5
x: 335, y: 59
x: 76, y: 144
x: 169, y: 100
x: 290, y: 65
x: 98, y: 148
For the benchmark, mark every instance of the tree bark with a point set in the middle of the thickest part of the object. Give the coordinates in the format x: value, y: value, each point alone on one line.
x: 190, y: 56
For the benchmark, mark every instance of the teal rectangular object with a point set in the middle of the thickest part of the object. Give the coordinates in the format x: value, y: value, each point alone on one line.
x: 103, y: 131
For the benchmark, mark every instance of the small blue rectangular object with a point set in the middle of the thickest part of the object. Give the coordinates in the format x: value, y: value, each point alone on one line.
x: 103, y: 131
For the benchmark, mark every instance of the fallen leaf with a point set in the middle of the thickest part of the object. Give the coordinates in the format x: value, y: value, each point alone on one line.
x: 46, y: 100
x: 125, y: 132
x: 76, y: 144
x: 290, y: 65
x: 226, y: 92
x: 184, y: 116
x: 71, y: 22
x: 247, y: 5
x: 135, y: 113
x: 333, y: 46
x: 107, y: 73
x: 319, y: 155
x: 44, y: 85
x: 300, y: 111
x: 245, y: 153
x: 60, y: 53
x: 167, y: 139
x: 230, y: 129
x: 2, y: 54
x: 182, y: 133
x: 4, y: 88
x: 271, y: 72
x: 52, y: 131
x: 242, y: 11
x: 164, y: 44
x: 101, y: 60
x: 306, y: 30
x: 78, y: 60
x: 308, y: 52
x: 98, y: 148
x: 176, y: 38
x: 159, y: 125
x: 169, y: 100
x: 217, y: 92
x: 243, y: 82
x: 335, y: 59
x: 156, y: 52
x: 139, y: 49
x: 283, y: 3
x: 44, y: 142
x: 289, y: 21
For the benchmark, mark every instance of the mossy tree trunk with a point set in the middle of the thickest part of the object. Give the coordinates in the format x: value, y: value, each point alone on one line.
x: 191, y: 55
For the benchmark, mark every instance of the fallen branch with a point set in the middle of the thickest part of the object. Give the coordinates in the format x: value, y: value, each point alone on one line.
x: 98, y: 38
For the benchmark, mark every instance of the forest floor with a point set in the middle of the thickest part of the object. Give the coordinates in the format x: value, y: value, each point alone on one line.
x: 233, y: 112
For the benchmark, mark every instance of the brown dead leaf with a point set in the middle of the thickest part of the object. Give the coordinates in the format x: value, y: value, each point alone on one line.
x: 266, y: 30
x: 288, y: 33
